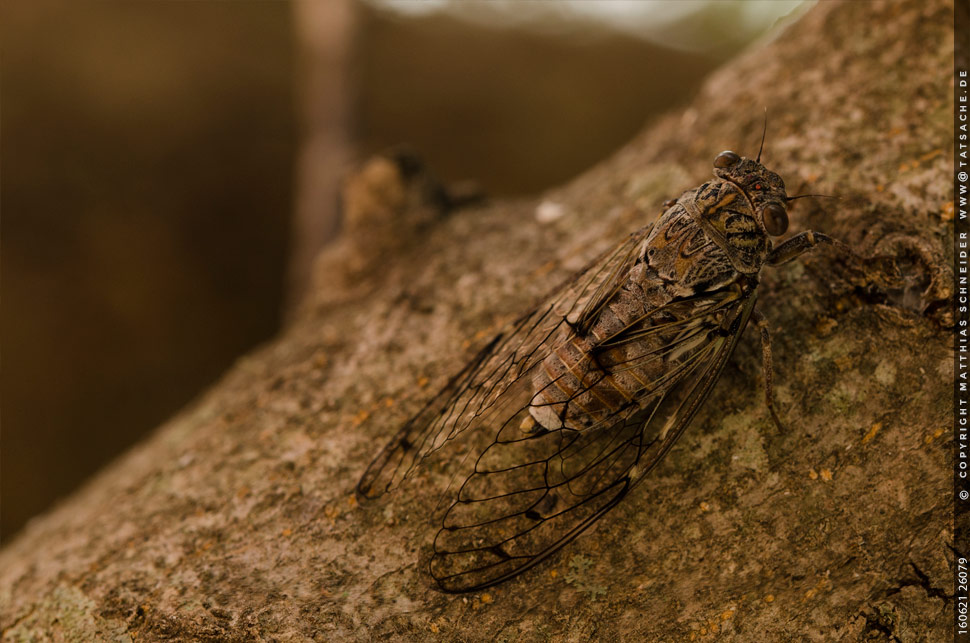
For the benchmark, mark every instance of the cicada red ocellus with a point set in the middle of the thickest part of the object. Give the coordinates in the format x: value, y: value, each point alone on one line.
x: 563, y: 413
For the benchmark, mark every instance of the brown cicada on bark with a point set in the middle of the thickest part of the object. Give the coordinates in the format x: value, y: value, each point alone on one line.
x: 569, y: 408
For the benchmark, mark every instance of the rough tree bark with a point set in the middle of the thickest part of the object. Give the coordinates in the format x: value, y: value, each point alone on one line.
x: 236, y: 521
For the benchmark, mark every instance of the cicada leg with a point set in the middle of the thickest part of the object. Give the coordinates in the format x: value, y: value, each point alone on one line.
x: 802, y: 243
x: 762, y: 323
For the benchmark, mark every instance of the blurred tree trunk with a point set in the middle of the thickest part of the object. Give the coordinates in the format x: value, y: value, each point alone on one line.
x: 237, y: 521
x: 325, y: 32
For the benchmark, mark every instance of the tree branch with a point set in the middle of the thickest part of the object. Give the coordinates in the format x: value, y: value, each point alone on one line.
x: 237, y: 521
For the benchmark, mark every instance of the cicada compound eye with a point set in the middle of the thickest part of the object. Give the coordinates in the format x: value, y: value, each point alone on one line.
x: 776, y: 219
x: 726, y: 159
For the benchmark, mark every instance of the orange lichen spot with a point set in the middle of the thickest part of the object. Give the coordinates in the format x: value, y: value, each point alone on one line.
x: 812, y: 474
x: 704, y: 506
x: 352, y: 501
x: 422, y: 382
x: 434, y: 628
x: 286, y: 532
x: 770, y: 598
x: 361, y: 417
x: 727, y: 615
x: 871, y: 433
x: 821, y: 585
x: 825, y: 474
x: 880, y: 187
x: 946, y: 212
x: 553, y: 573
x: 825, y: 326
x: 843, y: 363
x: 931, y: 155
x: 938, y: 433
x: 544, y: 269
x: 388, y: 402
x: 486, y: 598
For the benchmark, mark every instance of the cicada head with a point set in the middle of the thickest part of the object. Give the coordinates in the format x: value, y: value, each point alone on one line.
x: 764, y: 189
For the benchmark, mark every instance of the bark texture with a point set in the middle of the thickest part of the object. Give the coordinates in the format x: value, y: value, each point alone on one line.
x: 236, y: 520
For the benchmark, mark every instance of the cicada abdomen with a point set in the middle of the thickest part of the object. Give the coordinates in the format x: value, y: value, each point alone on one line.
x: 642, y: 335
x: 575, y: 402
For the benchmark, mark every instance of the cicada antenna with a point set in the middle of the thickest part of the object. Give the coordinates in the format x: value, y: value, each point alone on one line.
x: 764, y: 130
x: 802, y: 196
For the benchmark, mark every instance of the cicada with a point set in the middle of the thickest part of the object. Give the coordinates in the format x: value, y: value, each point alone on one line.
x: 569, y: 408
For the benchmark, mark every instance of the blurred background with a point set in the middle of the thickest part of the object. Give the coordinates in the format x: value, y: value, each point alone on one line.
x: 169, y: 169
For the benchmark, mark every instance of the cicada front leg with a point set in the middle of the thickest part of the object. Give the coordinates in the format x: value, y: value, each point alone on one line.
x: 803, y: 242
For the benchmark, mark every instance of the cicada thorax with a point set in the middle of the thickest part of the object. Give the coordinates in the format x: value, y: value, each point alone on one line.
x: 682, y: 255
x: 644, y: 334
x: 730, y: 220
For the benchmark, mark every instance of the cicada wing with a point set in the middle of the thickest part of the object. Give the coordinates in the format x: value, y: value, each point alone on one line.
x: 489, y: 390
x: 528, y: 496
x: 601, y: 280
x: 481, y: 389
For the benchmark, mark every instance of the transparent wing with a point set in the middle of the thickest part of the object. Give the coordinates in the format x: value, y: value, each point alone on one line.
x: 491, y: 387
x: 530, y: 494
